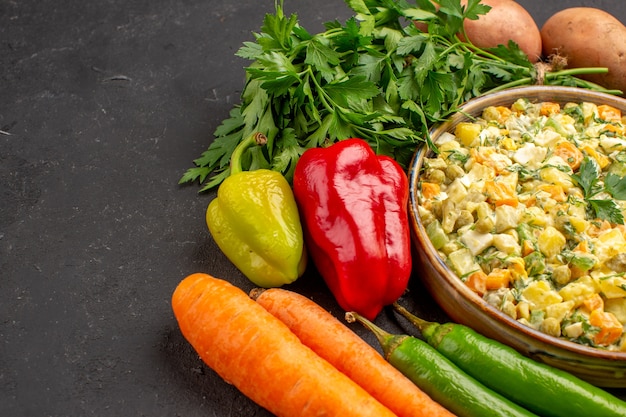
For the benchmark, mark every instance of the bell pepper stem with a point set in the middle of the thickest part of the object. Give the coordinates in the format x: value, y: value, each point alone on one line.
x: 256, y: 138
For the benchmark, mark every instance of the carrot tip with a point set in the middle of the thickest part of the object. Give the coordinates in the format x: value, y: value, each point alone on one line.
x: 256, y: 293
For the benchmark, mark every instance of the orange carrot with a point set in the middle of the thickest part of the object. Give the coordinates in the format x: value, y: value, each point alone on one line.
x: 477, y: 282
x: 504, y: 112
x: 556, y: 191
x: 610, y: 329
x: 500, y: 193
x: 498, y: 278
x: 348, y: 352
x: 548, y: 108
x: 569, y: 153
x: 430, y: 189
x: 609, y: 113
x: 527, y: 247
x: 615, y: 128
x: 602, y: 160
x: 258, y: 354
x: 595, y: 302
x: 517, y: 268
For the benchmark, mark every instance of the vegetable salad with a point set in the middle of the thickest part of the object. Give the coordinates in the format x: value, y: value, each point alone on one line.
x: 526, y: 205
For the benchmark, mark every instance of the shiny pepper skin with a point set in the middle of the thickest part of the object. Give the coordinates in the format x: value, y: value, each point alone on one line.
x: 353, y: 205
x: 255, y: 222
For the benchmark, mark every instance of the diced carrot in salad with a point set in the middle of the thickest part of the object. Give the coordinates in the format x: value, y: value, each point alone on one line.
x: 609, y: 113
x: 500, y: 193
x: 556, y: 191
x: 595, y: 302
x: 430, y: 189
x: 610, y: 329
x: 498, y: 278
x: 549, y: 108
x: 569, y: 153
x: 477, y: 282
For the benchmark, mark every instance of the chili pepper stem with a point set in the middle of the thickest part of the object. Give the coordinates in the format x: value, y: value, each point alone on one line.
x: 256, y: 138
x: 427, y: 328
x: 388, y: 342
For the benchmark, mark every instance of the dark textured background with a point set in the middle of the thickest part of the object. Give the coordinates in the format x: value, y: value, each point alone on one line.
x: 103, y: 106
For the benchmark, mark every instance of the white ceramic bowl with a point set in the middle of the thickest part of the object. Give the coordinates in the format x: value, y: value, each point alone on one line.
x: 600, y: 367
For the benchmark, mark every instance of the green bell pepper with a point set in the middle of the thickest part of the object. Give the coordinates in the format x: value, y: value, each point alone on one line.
x: 255, y: 222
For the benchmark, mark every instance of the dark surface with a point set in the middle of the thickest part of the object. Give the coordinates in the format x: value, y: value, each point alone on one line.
x: 103, y: 106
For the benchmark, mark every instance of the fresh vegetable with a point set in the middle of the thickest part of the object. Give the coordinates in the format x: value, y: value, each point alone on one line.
x: 505, y: 21
x: 376, y: 77
x: 255, y: 222
x: 436, y: 375
x: 545, y: 390
x: 587, y: 36
x: 258, y: 354
x: 348, y: 352
x: 354, y: 213
x: 529, y: 214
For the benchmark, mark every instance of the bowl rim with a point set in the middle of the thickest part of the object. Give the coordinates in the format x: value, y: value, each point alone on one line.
x: 538, y: 93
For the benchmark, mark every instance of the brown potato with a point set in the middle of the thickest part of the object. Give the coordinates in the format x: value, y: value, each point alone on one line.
x: 588, y: 37
x: 507, y: 20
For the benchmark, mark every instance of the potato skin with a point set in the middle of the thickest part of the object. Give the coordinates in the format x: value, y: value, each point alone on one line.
x: 507, y: 20
x: 588, y: 37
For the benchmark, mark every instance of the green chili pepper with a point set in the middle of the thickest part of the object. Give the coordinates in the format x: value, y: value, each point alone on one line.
x: 438, y: 377
x: 255, y: 221
x: 543, y: 389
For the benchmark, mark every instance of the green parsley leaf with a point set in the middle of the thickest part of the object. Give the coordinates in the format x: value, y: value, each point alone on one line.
x: 250, y: 50
x: 349, y: 38
x: 607, y: 210
x: 218, y: 155
x: 232, y: 123
x: 351, y: 89
x: 474, y: 9
x: 511, y: 53
x: 587, y: 177
x: 411, y: 44
x: 320, y: 55
x: 419, y: 14
x: 359, y: 6
x: 195, y: 173
x: 616, y: 186
x: 277, y: 29
x: 426, y: 63
x: 285, y: 160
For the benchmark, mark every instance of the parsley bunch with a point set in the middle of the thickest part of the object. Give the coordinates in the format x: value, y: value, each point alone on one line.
x: 376, y: 77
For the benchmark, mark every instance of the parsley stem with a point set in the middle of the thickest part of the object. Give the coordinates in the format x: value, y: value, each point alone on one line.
x: 470, y: 47
x: 578, y: 71
x: 322, y: 95
x: 562, y: 74
x: 516, y: 83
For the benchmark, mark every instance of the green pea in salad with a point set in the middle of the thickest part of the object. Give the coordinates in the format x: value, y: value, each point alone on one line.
x: 526, y: 205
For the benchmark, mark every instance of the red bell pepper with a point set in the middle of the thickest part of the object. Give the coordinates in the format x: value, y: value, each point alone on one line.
x: 353, y: 205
